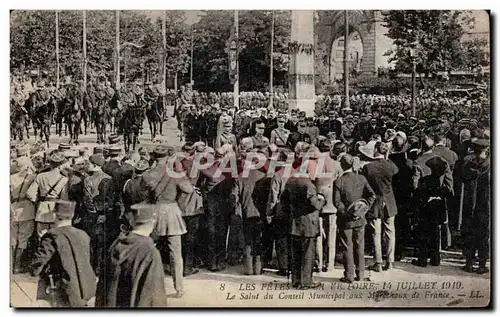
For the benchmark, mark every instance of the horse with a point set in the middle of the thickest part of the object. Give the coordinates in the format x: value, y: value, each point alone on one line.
x: 155, y: 115
x: 43, y: 114
x: 100, y: 117
x: 130, y: 124
x: 61, y: 116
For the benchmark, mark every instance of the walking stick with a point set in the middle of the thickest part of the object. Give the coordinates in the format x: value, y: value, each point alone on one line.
x: 51, y: 289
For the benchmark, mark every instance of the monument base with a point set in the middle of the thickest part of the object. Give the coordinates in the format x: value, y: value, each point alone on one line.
x: 306, y: 105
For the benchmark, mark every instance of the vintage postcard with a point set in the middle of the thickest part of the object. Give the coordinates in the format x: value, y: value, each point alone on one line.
x: 250, y: 158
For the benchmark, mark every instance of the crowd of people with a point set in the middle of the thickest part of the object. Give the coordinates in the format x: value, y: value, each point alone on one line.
x: 250, y: 182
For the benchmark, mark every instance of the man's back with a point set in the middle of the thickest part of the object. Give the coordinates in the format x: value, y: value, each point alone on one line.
x: 450, y: 156
x: 134, y: 274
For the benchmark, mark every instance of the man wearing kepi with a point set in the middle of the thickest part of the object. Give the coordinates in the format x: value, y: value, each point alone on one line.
x: 63, y: 261
x: 353, y: 197
x: 163, y: 185
x: 134, y: 271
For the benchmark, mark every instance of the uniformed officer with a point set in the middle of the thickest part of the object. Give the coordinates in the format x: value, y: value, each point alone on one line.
x: 279, y: 136
x: 226, y: 136
x: 96, y: 204
x: 163, y: 190
x: 45, y: 190
x: 22, y: 212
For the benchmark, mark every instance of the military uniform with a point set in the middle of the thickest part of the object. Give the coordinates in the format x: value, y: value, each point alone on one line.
x: 22, y: 213
x: 96, y: 203
x: 45, y: 190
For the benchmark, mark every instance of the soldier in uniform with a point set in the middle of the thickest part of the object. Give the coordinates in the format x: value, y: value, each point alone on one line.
x: 258, y: 139
x: 163, y: 191
x: 22, y: 212
x: 67, y: 273
x: 211, y: 121
x: 299, y: 136
x: 96, y: 203
x: 226, y: 136
x: 279, y: 136
x: 45, y: 190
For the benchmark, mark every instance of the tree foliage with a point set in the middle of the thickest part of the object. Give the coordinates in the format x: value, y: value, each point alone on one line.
x: 434, y: 34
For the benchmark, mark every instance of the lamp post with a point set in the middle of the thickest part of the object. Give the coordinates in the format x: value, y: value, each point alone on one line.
x: 346, y: 56
x: 413, y: 58
x: 271, y: 70
x: 192, y: 17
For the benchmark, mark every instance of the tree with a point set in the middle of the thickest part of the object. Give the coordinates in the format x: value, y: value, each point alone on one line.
x: 211, y: 49
x: 434, y: 34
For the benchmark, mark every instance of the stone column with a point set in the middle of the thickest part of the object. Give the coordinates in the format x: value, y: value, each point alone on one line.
x: 301, y: 72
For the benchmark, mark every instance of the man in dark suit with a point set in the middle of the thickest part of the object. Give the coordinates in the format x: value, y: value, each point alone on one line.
x: 134, y: 262
x: 440, y: 149
x: 352, y: 196
x: 379, y: 174
x: 405, y: 181
x: 303, y: 203
x: 451, y: 157
x: 427, y: 153
x: 477, y: 206
x: 68, y: 273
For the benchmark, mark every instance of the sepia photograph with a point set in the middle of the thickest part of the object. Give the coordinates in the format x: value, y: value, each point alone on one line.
x: 250, y: 158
